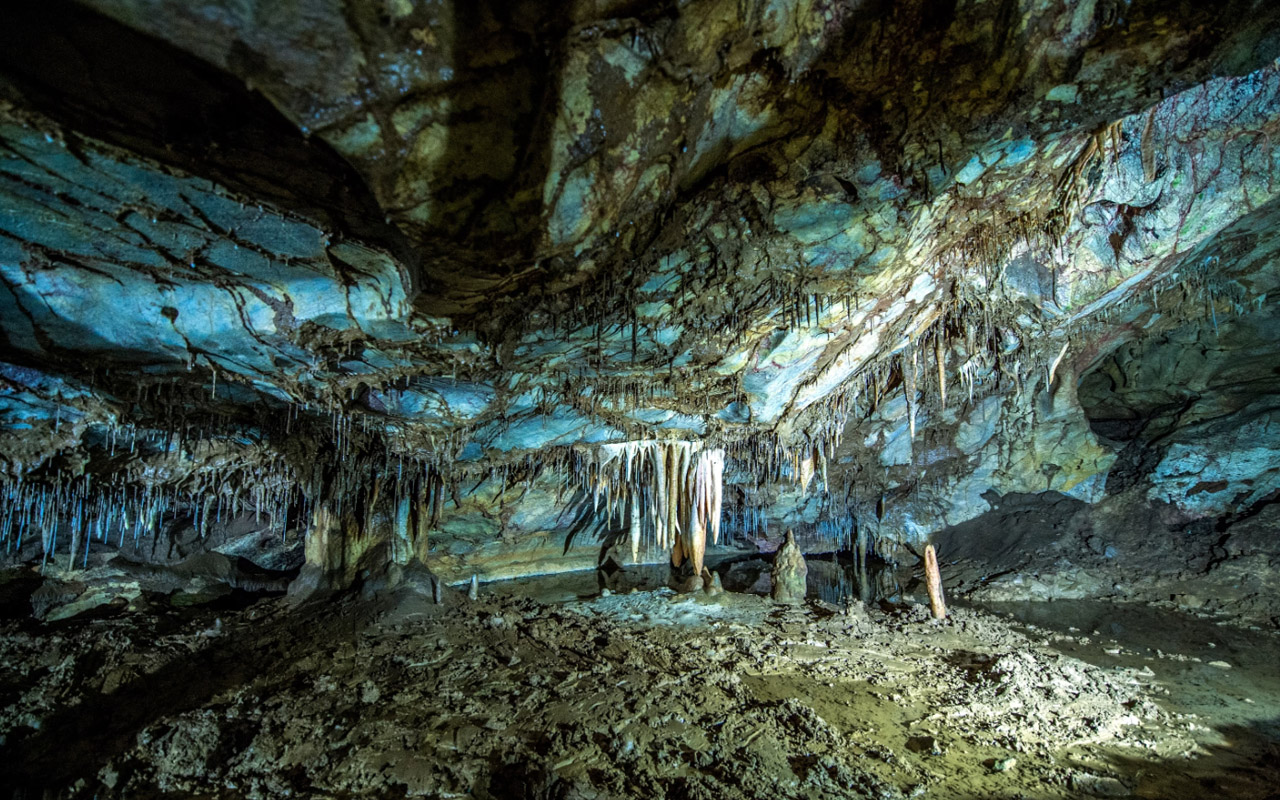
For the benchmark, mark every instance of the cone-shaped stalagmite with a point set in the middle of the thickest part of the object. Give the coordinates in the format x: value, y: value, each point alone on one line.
x: 933, y: 580
x: 789, y: 572
x: 711, y: 582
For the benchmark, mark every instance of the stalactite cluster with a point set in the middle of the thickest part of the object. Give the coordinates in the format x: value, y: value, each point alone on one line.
x: 671, y: 494
x: 79, y: 510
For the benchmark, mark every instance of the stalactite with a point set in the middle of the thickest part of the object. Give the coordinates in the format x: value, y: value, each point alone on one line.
x: 909, y: 389
x: 939, y: 355
x: 635, y: 526
x: 675, y: 489
x: 1053, y: 368
x: 804, y: 471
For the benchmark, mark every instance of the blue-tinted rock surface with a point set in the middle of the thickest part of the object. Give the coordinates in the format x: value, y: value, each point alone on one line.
x: 737, y: 224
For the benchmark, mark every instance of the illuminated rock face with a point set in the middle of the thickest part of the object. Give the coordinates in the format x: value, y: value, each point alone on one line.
x: 889, y: 259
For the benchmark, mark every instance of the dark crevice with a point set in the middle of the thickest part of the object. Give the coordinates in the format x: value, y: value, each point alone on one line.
x: 1143, y: 436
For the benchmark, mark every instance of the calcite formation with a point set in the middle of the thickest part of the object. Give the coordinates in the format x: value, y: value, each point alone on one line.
x: 933, y: 583
x: 489, y: 288
x: 790, y: 573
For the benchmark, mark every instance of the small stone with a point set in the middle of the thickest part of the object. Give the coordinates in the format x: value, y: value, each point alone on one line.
x: 473, y: 592
x: 605, y: 592
x: 1004, y: 764
x: 1220, y: 664
x: 1098, y: 785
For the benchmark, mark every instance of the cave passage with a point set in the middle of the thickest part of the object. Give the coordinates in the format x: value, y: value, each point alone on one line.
x: 720, y: 398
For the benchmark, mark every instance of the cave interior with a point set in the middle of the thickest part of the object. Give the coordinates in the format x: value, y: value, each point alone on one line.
x: 689, y: 399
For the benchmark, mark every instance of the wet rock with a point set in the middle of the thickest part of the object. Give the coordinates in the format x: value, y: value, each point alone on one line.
x: 1003, y: 764
x: 280, y: 303
x: 790, y: 573
x: 685, y: 584
x: 54, y: 593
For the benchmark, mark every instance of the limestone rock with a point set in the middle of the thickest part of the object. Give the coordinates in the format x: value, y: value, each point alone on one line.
x: 334, y: 297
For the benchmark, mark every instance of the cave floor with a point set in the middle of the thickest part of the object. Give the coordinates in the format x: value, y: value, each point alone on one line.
x: 636, y: 694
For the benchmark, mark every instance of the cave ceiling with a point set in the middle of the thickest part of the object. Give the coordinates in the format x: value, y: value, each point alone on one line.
x: 466, y: 232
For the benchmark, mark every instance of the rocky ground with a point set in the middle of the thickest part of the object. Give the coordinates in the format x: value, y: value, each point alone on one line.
x: 627, y: 694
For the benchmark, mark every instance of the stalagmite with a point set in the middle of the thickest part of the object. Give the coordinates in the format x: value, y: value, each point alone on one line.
x: 422, y: 517
x: 790, y: 573
x: 711, y: 582
x: 933, y: 580
x: 473, y: 591
x: 697, y: 546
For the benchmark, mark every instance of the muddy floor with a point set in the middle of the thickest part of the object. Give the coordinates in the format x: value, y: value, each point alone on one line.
x: 635, y: 693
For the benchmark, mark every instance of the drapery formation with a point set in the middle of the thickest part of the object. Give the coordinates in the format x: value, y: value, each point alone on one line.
x: 671, y: 494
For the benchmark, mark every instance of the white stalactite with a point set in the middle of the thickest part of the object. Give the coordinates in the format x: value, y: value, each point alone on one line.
x: 675, y: 489
x: 635, y: 526
x: 909, y: 390
x: 939, y: 354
